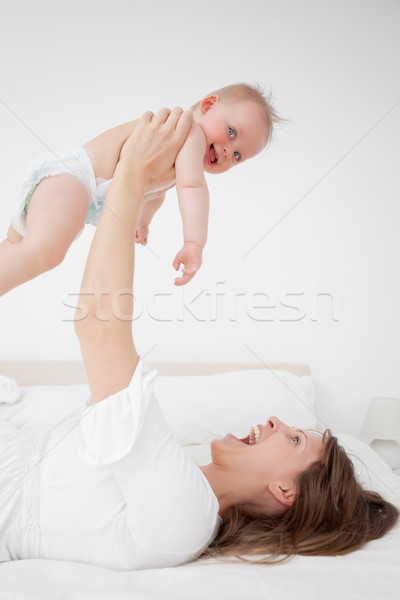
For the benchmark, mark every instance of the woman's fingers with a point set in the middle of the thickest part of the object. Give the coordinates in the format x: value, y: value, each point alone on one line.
x: 178, y: 125
x: 162, y: 116
x: 185, y: 120
x: 147, y: 116
x: 155, y: 143
x: 180, y: 120
x: 174, y: 116
x: 175, y: 119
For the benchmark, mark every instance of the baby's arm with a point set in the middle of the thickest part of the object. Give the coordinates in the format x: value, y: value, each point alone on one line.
x: 193, y: 198
x: 147, y: 211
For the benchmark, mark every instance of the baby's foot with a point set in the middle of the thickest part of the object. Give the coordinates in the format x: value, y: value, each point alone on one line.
x: 142, y: 232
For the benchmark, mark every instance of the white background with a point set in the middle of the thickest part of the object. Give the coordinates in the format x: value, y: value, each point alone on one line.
x: 303, y: 243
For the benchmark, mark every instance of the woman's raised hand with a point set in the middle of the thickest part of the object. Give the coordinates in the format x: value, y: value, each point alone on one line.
x: 150, y: 151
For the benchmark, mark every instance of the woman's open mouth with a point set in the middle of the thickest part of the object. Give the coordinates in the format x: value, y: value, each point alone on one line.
x: 253, y: 437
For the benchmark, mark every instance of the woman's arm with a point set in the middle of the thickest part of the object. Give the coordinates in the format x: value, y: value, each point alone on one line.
x: 104, y: 316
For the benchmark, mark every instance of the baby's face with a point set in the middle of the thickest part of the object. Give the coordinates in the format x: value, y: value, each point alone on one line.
x: 234, y: 132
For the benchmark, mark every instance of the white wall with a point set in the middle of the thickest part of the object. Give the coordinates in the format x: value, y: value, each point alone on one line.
x: 320, y: 207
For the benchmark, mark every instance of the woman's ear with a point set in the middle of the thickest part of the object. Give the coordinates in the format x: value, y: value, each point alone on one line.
x: 283, y: 494
x: 208, y: 102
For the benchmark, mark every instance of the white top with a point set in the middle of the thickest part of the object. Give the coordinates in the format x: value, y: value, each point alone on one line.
x: 112, y: 488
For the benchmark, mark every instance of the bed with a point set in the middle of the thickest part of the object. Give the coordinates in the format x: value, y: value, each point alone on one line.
x: 200, y: 402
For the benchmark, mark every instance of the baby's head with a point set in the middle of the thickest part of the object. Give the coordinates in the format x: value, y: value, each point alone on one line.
x: 237, y: 122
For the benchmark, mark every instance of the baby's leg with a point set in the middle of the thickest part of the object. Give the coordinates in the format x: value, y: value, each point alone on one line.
x: 147, y: 211
x: 13, y: 237
x: 56, y: 214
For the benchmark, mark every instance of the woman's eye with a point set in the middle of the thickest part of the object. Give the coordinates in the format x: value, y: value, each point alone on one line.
x: 296, y: 440
x: 231, y: 132
x: 236, y: 154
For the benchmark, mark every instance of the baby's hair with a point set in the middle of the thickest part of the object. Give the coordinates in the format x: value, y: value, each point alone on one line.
x: 244, y: 92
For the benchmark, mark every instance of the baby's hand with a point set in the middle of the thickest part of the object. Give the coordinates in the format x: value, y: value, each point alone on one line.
x: 190, y: 257
x: 142, y: 233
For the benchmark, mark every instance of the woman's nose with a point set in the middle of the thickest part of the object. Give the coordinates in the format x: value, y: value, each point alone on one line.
x: 273, y: 423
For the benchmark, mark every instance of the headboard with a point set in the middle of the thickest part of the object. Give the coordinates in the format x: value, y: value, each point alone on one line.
x: 53, y: 372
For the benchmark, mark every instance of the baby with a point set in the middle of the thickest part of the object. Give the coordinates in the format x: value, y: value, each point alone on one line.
x: 60, y: 194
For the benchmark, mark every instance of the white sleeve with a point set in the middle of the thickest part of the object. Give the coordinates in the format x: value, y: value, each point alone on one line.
x: 170, y: 505
x: 109, y: 428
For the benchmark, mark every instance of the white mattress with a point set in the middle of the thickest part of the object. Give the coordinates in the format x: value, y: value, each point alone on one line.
x: 370, y: 574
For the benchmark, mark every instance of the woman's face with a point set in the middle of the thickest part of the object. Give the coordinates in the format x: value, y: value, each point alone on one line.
x: 274, y: 454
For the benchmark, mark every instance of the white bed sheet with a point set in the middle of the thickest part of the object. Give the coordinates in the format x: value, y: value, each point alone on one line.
x: 371, y: 574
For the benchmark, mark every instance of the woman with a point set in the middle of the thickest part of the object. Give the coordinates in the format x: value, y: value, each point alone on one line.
x: 115, y: 489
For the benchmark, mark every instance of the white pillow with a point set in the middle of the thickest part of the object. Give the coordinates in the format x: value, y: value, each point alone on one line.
x: 371, y: 470
x: 197, y: 408
x: 204, y: 407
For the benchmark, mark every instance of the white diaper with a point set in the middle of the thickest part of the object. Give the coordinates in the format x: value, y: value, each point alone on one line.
x: 76, y: 163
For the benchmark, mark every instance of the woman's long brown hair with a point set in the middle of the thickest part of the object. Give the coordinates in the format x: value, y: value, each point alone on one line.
x: 332, y: 515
